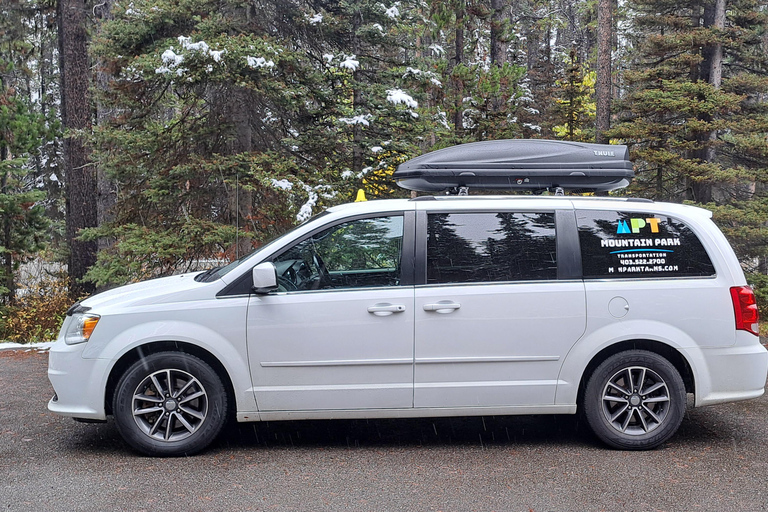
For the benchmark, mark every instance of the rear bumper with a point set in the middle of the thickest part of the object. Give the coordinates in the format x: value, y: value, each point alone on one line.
x: 730, y: 374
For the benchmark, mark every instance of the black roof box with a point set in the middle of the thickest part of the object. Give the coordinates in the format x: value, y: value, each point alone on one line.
x: 519, y: 164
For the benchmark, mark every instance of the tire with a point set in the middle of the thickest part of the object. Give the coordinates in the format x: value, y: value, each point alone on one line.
x: 177, y: 420
x: 640, y: 418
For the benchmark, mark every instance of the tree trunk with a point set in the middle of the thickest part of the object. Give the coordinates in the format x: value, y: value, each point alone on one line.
x: 711, y: 71
x: 603, y: 83
x: 357, y: 100
x: 105, y: 186
x: 498, y: 37
x: 242, y: 143
x: 6, y: 241
x: 716, y: 68
x: 458, y: 59
x: 76, y: 116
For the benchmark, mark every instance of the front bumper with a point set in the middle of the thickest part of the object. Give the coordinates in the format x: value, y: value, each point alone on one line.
x: 79, y: 383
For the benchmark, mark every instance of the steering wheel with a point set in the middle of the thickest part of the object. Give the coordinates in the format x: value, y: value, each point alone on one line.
x: 324, y: 277
x: 285, y: 284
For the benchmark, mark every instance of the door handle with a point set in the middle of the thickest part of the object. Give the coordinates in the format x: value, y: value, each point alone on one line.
x: 385, y: 309
x: 442, y: 307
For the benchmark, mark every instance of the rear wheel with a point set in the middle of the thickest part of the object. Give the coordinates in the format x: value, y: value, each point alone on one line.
x: 635, y: 400
x: 170, y: 404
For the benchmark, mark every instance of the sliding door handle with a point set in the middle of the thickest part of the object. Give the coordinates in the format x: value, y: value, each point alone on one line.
x: 444, y: 306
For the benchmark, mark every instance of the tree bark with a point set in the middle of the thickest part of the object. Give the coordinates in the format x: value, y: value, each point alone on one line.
x: 498, y: 38
x: 6, y: 242
x: 76, y: 117
x: 458, y: 58
x: 106, y: 188
x: 711, y: 71
x: 716, y: 68
x: 603, y: 80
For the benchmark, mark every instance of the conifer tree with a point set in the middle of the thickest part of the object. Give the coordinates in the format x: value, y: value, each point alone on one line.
x: 694, y: 137
x: 232, y: 121
x: 22, y: 216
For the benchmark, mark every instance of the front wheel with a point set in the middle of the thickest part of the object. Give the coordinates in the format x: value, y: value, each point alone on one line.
x: 634, y: 400
x: 170, y: 404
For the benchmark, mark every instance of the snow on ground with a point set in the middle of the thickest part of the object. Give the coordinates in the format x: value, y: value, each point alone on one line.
x: 40, y: 347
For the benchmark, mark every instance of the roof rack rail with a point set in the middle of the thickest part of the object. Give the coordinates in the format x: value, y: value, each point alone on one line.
x: 519, y: 164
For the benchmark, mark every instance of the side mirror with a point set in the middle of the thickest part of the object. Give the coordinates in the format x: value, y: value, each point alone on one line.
x: 264, y: 278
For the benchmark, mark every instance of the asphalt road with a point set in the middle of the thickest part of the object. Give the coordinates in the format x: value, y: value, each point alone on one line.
x: 718, y: 461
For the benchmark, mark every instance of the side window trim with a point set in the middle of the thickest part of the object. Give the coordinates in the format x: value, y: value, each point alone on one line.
x: 568, y: 246
x: 407, y: 258
x: 420, y: 249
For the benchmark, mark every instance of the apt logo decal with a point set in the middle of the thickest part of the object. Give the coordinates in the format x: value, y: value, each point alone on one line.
x: 637, y: 225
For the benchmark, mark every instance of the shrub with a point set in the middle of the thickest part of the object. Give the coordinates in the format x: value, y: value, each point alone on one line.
x: 37, y: 313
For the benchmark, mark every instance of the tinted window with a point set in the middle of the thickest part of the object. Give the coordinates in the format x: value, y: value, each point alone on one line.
x: 617, y: 244
x: 489, y: 247
x: 359, y: 253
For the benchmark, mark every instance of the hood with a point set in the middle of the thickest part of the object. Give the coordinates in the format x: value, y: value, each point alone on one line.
x: 163, y: 290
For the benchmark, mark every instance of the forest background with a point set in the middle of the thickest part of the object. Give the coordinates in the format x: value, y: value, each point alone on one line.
x: 148, y: 137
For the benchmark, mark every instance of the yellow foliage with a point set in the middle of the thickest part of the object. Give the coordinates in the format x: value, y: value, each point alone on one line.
x: 379, y: 183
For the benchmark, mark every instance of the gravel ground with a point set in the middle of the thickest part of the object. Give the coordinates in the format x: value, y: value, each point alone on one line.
x: 718, y: 461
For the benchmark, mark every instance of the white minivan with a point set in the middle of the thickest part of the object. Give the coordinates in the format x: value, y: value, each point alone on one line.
x: 444, y: 305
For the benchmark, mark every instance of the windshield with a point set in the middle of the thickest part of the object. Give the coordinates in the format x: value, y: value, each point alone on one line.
x: 217, y: 272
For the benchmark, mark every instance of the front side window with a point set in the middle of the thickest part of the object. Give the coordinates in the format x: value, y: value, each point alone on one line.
x: 629, y: 244
x: 490, y: 247
x: 355, y: 254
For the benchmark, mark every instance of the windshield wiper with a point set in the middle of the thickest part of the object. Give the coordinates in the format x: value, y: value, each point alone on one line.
x: 202, y: 277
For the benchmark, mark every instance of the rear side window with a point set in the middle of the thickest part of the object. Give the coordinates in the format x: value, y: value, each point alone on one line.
x: 630, y: 244
x: 490, y: 247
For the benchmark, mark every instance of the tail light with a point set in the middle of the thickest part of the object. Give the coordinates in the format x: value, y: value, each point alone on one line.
x: 745, y: 309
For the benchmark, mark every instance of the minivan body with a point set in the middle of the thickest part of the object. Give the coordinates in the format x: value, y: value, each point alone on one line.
x: 433, y: 306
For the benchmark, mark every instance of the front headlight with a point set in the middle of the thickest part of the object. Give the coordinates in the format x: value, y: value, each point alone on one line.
x: 81, y: 328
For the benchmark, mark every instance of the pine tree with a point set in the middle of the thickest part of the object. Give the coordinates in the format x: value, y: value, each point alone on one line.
x: 22, y: 216
x: 575, y: 105
x: 695, y: 113
x: 28, y: 130
x: 231, y: 122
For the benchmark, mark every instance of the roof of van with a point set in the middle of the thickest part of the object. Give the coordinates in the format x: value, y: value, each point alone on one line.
x: 591, y: 202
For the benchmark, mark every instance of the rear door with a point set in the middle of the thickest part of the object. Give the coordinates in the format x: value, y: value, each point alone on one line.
x: 494, y: 317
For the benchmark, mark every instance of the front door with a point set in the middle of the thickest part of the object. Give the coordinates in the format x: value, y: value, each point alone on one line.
x: 339, y: 333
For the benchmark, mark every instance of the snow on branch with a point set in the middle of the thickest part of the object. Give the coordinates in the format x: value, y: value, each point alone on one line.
x: 350, y: 62
x: 259, y: 62
x: 397, y: 96
x: 393, y: 12
x: 361, y: 119
x: 172, y: 60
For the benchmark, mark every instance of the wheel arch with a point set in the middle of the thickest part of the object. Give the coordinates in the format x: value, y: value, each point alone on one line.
x: 668, y: 352
x: 137, y: 353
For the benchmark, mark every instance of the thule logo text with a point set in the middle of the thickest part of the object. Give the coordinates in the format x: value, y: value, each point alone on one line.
x: 604, y: 153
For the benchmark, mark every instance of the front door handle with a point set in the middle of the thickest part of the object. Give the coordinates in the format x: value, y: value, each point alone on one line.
x: 386, y: 309
x: 442, y: 307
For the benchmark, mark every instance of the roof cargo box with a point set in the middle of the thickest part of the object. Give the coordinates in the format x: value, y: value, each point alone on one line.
x: 519, y: 164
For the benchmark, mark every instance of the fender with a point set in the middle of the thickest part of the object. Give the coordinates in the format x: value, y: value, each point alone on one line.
x: 585, y: 350
x: 231, y: 355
